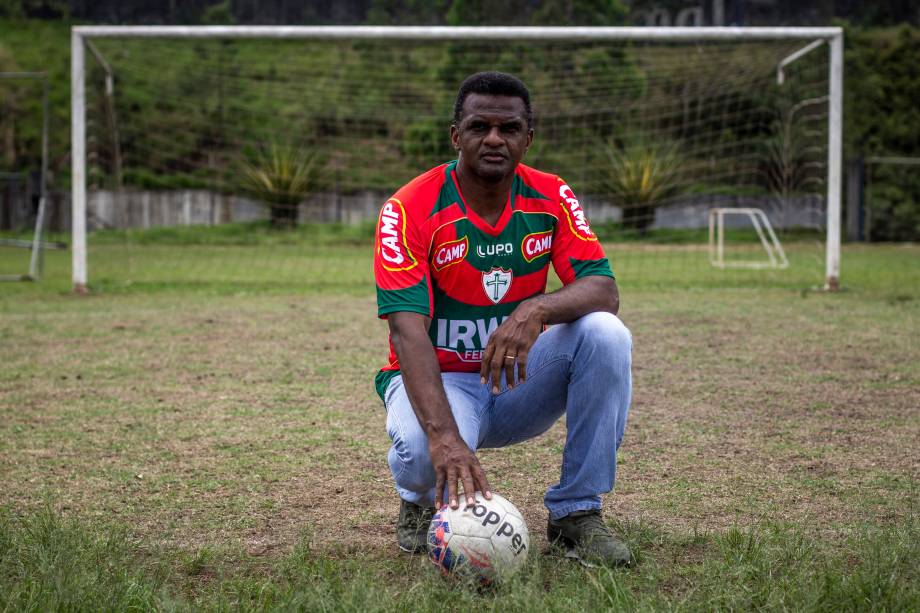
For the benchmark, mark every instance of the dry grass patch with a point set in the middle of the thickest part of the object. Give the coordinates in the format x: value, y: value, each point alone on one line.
x: 249, y: 421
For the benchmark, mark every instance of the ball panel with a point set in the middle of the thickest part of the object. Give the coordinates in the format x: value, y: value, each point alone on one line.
x: 488, y: 538
x: 510, y: 542
x: 472, y: 551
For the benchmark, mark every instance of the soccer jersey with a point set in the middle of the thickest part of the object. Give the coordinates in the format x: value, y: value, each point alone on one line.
x: 435, y: 256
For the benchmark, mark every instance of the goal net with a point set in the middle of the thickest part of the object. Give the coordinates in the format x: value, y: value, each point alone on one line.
x: 259, y: 157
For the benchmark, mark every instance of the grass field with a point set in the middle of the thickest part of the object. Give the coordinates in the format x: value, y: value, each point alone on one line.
x: 208, y: 437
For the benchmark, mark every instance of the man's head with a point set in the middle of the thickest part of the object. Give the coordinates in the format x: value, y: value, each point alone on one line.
x: 492, y: 125
x: 493, y: 84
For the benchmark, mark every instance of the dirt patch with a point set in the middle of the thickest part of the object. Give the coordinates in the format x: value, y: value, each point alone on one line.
x: 252, y: 421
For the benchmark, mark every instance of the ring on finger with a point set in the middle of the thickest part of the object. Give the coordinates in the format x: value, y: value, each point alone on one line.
x: 510, y: 357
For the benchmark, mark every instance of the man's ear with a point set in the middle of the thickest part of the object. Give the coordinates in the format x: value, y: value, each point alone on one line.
x: 455, y: 136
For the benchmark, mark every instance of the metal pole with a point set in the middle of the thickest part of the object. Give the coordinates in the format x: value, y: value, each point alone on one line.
x: 834, y: 163
x: 458, y: 33
x: 78, y: 161
x: 35, y: 262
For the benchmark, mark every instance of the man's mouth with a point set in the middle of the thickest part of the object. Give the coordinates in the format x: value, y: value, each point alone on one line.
x: 493, y: 157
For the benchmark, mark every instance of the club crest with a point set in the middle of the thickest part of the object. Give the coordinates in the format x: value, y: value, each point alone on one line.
x: 496, y: 283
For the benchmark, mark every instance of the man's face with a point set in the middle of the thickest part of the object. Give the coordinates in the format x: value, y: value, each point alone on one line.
x: 492, y: 135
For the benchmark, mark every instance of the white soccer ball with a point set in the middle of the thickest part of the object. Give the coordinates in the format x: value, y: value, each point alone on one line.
x: 489, y: 539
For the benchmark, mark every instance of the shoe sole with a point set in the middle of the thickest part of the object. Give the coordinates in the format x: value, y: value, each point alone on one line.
x: 568, y: 551
x: 410, y: 550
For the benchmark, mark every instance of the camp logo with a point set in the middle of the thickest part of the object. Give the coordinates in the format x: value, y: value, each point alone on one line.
x: 496, y: 283
x: 575, y: 214
x: 391, y: 237
x: 451, y: 252
x: 537, y: 244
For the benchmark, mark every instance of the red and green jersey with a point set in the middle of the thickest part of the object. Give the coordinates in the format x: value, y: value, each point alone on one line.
x: 435, y: 256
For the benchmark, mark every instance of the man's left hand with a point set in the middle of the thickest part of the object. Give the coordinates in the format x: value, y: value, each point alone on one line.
x: 509, y: 345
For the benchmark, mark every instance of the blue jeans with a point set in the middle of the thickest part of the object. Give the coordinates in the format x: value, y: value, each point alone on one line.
x: 581, y: 370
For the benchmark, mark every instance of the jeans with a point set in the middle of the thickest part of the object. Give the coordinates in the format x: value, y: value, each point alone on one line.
x: 580, y: 369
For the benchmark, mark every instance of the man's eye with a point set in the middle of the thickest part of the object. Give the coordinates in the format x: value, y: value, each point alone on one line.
x: 477, y: 127
x: 511, y: 128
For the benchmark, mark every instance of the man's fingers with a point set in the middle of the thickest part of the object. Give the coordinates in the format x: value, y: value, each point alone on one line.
x: 509, y: 369
x: 486, y: 360
x: 482, y: 483
x: 452, y: 488
x: 439, y: 490
x: 522, y: 366
x: 495, y: 367
x: 469, y: 488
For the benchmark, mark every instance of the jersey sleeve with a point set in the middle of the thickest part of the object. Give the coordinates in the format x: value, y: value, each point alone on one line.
x: 576, y: 251
x: 400, y: 263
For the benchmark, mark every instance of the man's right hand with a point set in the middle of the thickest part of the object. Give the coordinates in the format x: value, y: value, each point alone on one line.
x: 454, y: 462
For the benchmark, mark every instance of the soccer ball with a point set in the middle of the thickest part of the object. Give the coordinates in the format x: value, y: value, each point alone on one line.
x: 488, y: 539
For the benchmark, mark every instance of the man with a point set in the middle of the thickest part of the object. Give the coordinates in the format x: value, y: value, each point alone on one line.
x: 461, y: 261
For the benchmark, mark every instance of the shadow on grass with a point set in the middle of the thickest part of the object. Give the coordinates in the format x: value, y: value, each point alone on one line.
x: 52, y: 563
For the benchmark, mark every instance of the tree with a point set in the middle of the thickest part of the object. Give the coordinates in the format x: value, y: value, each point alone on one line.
x: 640, y: 177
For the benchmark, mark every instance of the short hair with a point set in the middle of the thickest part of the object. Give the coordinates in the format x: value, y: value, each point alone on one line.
x: 493, y: 84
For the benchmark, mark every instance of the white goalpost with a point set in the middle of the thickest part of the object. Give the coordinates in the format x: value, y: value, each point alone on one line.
x: 800, y: 44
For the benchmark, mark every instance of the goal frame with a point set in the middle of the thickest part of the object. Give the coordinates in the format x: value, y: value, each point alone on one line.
x: 833, y: 36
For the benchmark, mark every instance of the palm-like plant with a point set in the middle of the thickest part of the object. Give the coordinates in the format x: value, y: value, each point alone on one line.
x: 640, y: 177
x: 280, y: 176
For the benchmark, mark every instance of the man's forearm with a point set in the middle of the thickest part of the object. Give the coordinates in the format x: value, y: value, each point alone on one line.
x: 452, y: 460
x: 422, y: 378
x: 583, y: 296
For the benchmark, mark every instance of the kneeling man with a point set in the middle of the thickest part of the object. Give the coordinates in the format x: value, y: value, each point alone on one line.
x: 461, y: 261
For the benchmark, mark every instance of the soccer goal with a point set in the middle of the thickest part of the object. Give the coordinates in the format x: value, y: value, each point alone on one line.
x: 257, y: 155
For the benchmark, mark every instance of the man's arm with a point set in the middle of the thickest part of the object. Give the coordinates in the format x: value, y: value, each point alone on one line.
x: 511, y: 341
x: 451, y: 457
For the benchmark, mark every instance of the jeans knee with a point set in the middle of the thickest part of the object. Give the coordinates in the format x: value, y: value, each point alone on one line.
x: 606, y: 332
x: 409, y: 461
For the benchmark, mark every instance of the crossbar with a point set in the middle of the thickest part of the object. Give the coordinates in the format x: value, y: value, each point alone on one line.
x: 457, y: 33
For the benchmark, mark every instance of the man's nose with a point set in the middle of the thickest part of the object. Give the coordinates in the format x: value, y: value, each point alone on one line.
x: 494, y: 137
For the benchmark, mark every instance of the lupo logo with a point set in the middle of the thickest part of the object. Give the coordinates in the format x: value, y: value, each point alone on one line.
x: 575, y: 214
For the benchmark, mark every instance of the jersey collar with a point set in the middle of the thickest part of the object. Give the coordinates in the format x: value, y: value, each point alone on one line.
x: 474, y: 218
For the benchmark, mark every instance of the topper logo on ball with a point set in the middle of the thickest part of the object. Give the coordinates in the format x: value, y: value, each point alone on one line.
x: 506, y: 529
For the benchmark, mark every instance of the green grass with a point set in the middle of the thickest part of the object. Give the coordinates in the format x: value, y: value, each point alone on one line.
x: 252, y: 257
x: 51, y: 563
x: 203, y: 434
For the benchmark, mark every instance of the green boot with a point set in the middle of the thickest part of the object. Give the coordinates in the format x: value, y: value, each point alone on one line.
x: 584, y: 536
x: 412, y: 527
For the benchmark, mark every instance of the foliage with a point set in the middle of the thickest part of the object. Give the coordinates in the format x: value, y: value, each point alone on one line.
x: 9, y: 108
x: 407, y: 12
x: 281, y: 176
x: 426, y: 143
x: 893, y: 202
x: 218, y: 14
x: 641, y: 176
x: 211, y: 115
x: 44, y: 9
x: 882, y: 118
x: 882, y: 88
